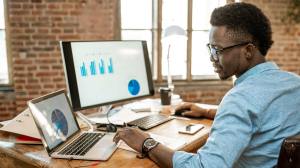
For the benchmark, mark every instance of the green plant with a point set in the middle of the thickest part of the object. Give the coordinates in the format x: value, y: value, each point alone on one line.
x: 293, y: 13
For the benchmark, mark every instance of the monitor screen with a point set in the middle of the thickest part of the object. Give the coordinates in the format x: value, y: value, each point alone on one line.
x: 106, y: 72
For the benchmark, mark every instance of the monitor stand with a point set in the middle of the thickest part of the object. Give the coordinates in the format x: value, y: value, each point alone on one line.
x: 102, y: 111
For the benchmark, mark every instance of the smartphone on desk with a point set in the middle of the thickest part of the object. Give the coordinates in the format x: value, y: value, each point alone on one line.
x: 191, y: 129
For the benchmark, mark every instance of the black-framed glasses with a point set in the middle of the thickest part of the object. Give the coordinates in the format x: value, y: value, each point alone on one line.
x: 215, y: 52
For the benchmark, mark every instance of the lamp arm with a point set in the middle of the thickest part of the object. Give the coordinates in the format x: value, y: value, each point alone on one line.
x: 170, y: 85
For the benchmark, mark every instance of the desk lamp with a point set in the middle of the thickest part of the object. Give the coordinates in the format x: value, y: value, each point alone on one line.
x: 172, y: 35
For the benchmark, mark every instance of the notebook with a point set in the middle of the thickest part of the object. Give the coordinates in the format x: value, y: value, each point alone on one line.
x: 60, y: 132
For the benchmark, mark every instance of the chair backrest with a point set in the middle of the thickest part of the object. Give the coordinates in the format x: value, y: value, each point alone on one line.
x: 289, y: 156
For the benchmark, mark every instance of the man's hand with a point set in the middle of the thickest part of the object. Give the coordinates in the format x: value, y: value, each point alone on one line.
x: 193, y: 110
x: 133, y: 137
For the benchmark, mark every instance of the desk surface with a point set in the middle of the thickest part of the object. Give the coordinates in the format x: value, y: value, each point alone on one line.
x: 18, y: 155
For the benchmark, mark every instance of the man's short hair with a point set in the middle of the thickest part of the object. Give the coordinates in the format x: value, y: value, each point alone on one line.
x: 244, y: 21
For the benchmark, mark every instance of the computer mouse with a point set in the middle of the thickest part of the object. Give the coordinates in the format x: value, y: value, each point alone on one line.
x: 180, y: 111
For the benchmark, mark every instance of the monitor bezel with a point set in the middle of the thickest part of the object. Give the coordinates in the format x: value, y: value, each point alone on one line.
x: 69, y: 69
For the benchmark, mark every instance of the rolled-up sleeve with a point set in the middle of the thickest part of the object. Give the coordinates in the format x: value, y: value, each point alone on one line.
x: 230, y: 135
x: 184, y: 159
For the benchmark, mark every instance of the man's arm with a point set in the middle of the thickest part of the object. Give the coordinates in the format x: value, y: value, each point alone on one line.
x: 211, y: 113
x: 162, y: 156
x: 197, y: 110
x: 135, y: 139
x: 230, y: 135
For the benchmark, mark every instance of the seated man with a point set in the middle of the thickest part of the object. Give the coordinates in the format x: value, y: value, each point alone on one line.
x: 254, y: 116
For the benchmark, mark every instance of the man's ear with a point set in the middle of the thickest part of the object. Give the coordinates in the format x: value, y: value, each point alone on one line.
x: 249, y: 51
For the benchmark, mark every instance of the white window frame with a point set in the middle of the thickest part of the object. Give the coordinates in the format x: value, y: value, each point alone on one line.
x: 7, y: 81
x: 157, y: 46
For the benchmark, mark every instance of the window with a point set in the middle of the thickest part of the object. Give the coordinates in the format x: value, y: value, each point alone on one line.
x: 150, y: 19
x: 3, y: 51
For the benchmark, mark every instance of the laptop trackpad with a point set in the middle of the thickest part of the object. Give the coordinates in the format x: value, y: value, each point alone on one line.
x: 104, y: 148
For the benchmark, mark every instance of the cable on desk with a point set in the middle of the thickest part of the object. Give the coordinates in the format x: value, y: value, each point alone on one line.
x: 86, y: 120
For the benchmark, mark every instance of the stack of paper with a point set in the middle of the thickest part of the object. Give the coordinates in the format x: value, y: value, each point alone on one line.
x: 22, y: 129
x: 171, y: 143
x: 119, y: 118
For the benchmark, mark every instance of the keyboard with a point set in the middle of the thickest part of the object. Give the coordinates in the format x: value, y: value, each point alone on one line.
x: 82, y: 144
x: 150, y: 121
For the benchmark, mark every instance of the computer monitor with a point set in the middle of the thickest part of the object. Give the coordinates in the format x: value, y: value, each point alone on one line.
x: 106, y: 72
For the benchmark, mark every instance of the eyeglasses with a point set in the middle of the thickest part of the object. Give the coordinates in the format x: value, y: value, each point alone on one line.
x: 215, y: 52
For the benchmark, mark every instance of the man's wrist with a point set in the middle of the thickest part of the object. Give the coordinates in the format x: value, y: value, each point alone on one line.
x: 210, y: 113
x: 207, y: 113
x: 148, y: 145
x: 142, y: 148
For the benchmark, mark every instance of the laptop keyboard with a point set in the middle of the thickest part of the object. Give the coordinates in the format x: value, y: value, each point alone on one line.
x: 149, y: 121
x: 82, y: 144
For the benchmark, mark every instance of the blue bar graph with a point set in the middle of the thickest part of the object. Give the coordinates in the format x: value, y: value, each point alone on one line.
x: 110, y: 66
x: 95, y: 65
x: 101, y: 67
x: 93, y: 68
x: 83, y: 70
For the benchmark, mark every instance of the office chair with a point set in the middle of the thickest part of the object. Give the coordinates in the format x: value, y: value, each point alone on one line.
x: 289, y: 156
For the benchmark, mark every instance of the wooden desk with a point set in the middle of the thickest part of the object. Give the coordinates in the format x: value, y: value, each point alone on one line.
x: 18, y: 155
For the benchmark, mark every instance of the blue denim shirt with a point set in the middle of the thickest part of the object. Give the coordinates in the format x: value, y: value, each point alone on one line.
x: 251, y: 122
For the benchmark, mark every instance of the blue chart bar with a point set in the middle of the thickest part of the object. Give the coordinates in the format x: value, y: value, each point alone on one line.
x: 93, y: 68
x: 101, y: 67
x: 110, y: 66
x: 83, y: 70
x: 96, y: 65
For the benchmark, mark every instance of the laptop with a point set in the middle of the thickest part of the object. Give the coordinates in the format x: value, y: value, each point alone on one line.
x: 60, y: 132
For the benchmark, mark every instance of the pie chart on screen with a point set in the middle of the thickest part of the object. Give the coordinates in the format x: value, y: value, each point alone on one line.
x: 60, y: 122
x: 133, y: 87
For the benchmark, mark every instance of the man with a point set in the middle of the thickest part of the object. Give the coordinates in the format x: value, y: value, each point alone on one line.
x: 255, y: 116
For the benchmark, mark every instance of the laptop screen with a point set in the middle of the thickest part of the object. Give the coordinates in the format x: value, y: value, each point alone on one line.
x: 54, y: 118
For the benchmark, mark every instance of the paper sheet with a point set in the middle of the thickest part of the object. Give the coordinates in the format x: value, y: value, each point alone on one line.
x: 153, y: 105
x: 171, y: 143
x: 22, y: 124
x: 150, y: 104
x: 124, y: 115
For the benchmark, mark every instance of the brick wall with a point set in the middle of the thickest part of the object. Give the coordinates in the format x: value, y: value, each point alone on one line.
x: 205, y: 93
x: 286, y: 48
x: 36, y: 26
x: 7, y: 105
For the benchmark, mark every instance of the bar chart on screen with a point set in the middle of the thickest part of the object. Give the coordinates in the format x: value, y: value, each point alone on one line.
x: 96, y: 67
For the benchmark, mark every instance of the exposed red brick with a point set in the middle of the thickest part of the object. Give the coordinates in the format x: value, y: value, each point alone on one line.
x: 36, y: 26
